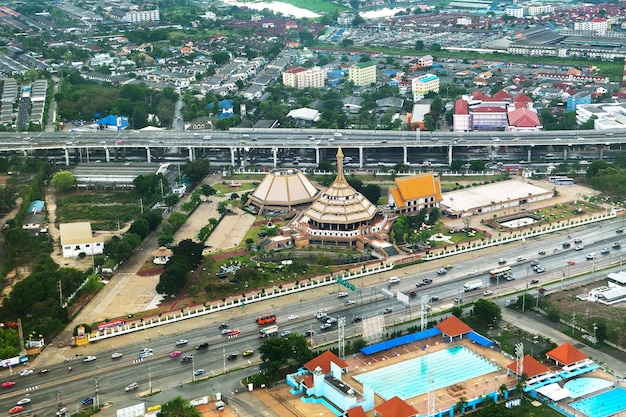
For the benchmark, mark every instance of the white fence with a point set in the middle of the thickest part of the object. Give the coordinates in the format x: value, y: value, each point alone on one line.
x: 266, y: 294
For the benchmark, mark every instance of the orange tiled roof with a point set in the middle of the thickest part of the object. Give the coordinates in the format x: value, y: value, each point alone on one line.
x: 395, y: 407
x: 323, y: 361
x: 532, y: 367
x: 355, y: 412
x: 416, y: 187
x: 453, y: 326
x: 566, y: 354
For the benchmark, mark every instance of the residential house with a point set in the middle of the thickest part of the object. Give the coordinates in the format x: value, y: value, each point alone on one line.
x: 352, y: 104
x: 34, y: 219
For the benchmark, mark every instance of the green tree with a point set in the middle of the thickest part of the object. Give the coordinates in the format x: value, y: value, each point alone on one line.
x: 220, y: 58
x: 460, y: 405
x: 63, y: 181
x: 171, y: 200
x: 487, y: 312
x: 178, y: 407
x: 429, y: 123
x: 419, y: 45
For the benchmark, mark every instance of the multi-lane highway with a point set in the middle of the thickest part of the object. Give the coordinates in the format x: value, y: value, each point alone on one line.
x: 240, y: 147
x: 107, y: 377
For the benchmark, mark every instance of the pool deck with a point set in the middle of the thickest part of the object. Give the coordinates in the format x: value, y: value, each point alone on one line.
x: 284, y: 404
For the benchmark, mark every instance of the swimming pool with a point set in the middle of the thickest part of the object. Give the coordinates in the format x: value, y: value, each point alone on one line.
x: 580, y: 387
x: 411, y: 378
x: 603, y: 405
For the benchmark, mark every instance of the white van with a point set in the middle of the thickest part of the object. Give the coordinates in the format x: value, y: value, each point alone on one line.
x: 394, y: 280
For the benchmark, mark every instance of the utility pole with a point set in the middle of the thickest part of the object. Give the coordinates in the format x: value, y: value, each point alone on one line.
x: 573, y: 321
x: 60, y: 293
x: 95, y: 397
x: 149, y: 380
x: 595, y: 327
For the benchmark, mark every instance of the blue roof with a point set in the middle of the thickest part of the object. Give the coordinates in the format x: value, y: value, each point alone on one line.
x: 226, y: 104
x: 399, y: 341
x: 480, y: 339
x: 36, y: 206
x: 111, y: 120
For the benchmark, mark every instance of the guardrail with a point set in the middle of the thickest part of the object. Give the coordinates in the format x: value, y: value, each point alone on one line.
x: 264, y: 294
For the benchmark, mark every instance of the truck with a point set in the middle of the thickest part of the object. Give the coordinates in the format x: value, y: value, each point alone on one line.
x: 472, y: 285
x: 269, y: 331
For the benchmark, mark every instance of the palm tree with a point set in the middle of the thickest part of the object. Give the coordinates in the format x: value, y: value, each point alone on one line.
x: 460, y: 406
x: 503, y: 389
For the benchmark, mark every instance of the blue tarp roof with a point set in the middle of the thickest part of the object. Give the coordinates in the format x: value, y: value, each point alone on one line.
x: 480, y: 339
x: 399, y: 341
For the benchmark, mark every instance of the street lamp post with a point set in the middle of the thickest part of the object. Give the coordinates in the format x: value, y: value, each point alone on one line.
x: 193, y: 369
x: 595, y: 327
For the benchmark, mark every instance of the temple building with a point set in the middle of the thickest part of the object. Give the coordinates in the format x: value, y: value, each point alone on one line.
x: 282, y: 191
x: 340, y: 216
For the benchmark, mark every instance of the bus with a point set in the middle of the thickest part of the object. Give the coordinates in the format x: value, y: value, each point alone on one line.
x: 266, y: 318
x: 269, y: 331
x: 558, y: 180
x: 503, y: 272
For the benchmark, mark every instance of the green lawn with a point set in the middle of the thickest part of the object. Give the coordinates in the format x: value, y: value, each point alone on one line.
x: 319, y: 6
x: 120, y: 207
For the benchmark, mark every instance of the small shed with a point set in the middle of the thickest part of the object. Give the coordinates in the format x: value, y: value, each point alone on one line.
x: 162, y: 255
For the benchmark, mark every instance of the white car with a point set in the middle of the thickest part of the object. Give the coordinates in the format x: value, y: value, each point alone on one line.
x: 181, y: 342
x: 23, y: 401
x: 145, y: 354
x: 394, y: 280
x: 26, y: 372
x: 292, y: 317
x: 116, y: 355
x: 472, y: 272
x: 342, y: 294
x: 349, y: 302
x: 89, y: 359
x: 488, y: 292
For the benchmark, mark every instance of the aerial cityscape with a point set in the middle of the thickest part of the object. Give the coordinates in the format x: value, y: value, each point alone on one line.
x: 292, y: 209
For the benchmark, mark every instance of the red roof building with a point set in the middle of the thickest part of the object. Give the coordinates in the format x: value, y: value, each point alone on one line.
x: 453, y: 327
x: 355, y: 412
x: 566, y: 354
x: 524, y: 119
x: 531, y: 367
x: 395, y: 407
x: 323, y: 361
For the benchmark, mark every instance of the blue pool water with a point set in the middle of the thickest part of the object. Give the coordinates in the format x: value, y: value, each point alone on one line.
x: 580, y: 387
x: 603, y: 405
x: 410, y: 378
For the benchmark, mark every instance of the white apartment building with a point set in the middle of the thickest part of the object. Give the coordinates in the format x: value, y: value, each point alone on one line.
x: 515, y: 11
x: 539, y: 9
x: 301, y: 78
x: 597, y: 25
x: 142, y: 16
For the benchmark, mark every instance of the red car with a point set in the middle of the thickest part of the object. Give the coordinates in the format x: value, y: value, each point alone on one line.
x: 175, y: 353
x: 8, y: 384
x: 571, y: 263
x: 16, y: 409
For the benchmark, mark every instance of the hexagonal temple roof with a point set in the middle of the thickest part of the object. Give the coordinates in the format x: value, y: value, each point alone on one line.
x: 283, y: 188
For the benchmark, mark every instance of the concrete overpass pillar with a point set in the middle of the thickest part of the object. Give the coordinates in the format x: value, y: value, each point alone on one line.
x: 232, y: 156
x: 148, y: 155
x: 191, y: 154
x: 405, y: 157
x: 360, y: 157
x: 492, y: 152
x: 67, y: 156
x: 275, y: 156
x: 565, y: 153
x: 107, y: 154
x: 601, y: 152
x: 317, y: 156
x: 449, y: 154
x: 529, y: 155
